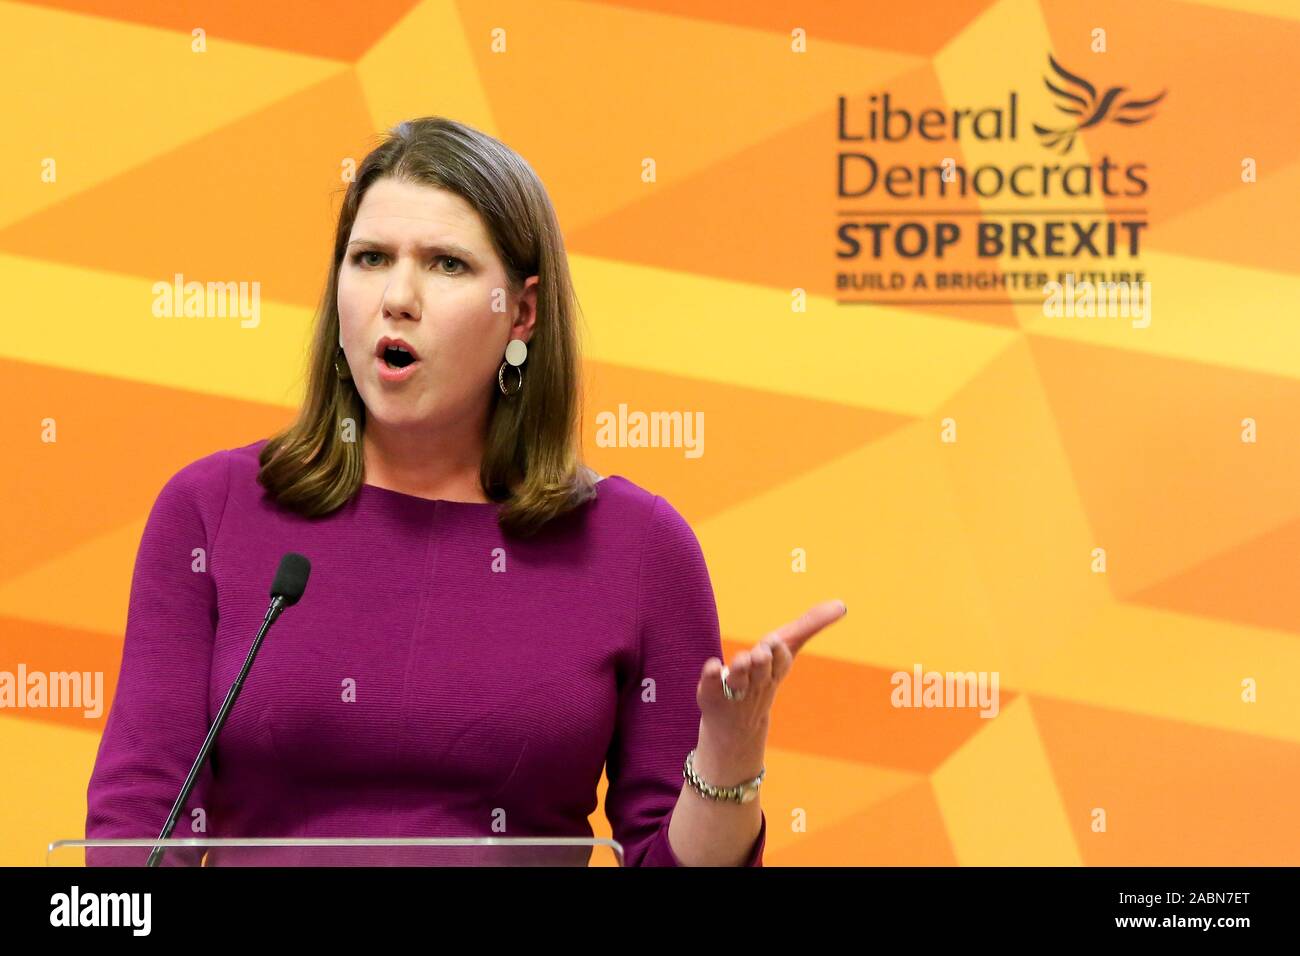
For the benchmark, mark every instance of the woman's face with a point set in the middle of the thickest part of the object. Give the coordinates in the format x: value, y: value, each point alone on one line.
x: 420, y: 267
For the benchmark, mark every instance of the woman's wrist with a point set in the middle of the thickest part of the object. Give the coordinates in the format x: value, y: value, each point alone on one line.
x: 727, y: 761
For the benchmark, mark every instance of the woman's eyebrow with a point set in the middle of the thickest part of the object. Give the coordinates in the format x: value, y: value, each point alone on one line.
x: 450, y: 248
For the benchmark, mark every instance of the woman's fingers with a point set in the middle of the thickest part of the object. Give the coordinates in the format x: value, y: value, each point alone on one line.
x: 710, y: 677
x: 760, y: 665
x: 739, y: 679
x: 782, y: 658
x: 751, y: 672
x: 761, y: 668
x: 798, y: 632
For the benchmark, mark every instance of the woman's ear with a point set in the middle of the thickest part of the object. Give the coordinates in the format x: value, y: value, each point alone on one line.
x: 527, y: 316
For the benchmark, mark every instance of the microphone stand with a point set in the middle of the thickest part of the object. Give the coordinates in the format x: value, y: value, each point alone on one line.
x: 274, y: 611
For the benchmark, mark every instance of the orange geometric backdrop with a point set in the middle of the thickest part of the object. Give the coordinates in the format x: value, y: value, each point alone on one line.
x: 130, y: 157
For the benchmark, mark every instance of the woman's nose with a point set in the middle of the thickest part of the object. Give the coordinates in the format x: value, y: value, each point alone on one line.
x: 401, y: 297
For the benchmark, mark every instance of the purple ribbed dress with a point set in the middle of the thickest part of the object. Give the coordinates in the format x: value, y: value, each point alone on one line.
x: 437, y: 679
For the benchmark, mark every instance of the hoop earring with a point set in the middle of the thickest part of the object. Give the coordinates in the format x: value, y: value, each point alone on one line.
x: 341, y: 368
x: 516, y: 352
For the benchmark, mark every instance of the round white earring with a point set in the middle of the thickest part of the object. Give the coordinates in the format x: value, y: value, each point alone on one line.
x: 516, y: 352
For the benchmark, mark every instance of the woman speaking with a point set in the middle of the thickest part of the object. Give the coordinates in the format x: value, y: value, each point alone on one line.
x: 488, y: 623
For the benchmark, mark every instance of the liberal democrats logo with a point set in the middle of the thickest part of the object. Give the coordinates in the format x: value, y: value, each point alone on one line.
x: 1089, y: 108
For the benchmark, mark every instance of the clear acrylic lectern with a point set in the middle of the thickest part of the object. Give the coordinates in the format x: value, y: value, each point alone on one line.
x: 341, y: 851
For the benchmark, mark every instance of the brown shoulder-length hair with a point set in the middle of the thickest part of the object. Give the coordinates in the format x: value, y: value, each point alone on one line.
x: 531, y: 462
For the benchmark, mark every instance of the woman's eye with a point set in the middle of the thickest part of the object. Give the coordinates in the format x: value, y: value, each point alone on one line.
x: 360, y: 259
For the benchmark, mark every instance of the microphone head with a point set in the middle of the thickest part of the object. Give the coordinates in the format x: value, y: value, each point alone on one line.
x: 291, y: 578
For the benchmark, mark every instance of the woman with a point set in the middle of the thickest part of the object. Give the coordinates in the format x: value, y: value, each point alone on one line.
x: 488, y: 623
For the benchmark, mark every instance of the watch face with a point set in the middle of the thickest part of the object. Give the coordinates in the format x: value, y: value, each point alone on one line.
x: 749, y: 795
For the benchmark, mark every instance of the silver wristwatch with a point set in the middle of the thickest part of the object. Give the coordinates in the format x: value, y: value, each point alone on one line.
x: 740, y: 793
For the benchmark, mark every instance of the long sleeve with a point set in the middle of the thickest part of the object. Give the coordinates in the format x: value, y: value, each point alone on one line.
x: 159, y: 715
x: 658, y: 718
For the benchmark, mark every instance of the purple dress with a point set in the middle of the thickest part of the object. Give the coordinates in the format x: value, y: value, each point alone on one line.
x: 437, y: 679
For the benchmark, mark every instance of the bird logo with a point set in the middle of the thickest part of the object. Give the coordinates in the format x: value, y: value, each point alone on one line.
x: 1091, y: 110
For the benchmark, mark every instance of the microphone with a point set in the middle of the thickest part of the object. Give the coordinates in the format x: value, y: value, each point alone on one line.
x: 290, y: 582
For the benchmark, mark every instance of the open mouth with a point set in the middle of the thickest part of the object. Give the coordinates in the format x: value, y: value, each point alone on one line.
x: 395, y: 357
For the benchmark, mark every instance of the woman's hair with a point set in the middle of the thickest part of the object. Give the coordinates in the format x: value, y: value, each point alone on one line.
x: 531, y: 461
